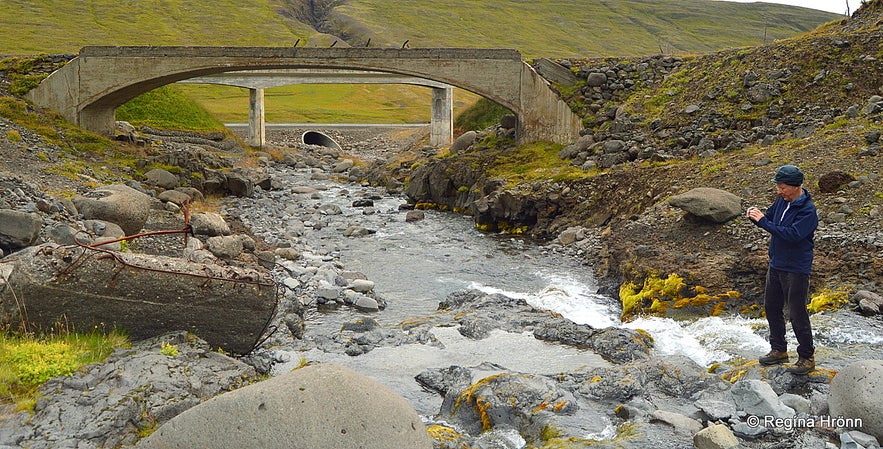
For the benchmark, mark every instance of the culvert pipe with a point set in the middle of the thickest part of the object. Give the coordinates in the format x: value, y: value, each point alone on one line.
x: 317, y: 138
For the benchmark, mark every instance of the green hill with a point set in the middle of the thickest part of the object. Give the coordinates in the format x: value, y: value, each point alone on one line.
x: 547, y: 28
x: 580, y: 28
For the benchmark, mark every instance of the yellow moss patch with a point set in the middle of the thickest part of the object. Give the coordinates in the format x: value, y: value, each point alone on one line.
x: 481, y: 405
x: 549, y: 433
x: 509, y: 228
x: 645, y: 334
x: 734, y: 375
x: 442, y: 433
x: 485, y: 227
x: 552, y: 439
x: 414, y: 322
x: 827, y: 300
x: 431, y: 206
x: 658, y: 296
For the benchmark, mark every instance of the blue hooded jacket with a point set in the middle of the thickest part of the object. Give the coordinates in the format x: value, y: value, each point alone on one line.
x: 791, y: 241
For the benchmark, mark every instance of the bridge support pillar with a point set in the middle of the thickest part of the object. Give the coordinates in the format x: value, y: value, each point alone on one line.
x: 257, y: 127
x: 442, y: 123
x: 99, y: 120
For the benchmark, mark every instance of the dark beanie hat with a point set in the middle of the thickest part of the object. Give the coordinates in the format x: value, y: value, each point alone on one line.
x: 790, y: 175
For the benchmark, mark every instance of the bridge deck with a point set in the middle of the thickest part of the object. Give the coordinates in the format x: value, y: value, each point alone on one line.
x: 299, y: 52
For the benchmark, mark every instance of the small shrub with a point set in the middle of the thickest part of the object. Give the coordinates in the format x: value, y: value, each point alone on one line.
x: 169, y: 349
x: 14, y: 136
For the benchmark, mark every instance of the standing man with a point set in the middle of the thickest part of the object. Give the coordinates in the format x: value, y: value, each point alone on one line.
x: 791, y: 222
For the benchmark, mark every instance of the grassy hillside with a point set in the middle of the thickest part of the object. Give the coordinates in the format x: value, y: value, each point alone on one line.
x: 62, y: 26
x: 590, y: 28
x: 550, y: 28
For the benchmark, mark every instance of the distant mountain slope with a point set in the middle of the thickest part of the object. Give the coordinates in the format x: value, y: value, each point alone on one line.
x: 561, y: 28
x: 552, y: 28
x: 65, y: 26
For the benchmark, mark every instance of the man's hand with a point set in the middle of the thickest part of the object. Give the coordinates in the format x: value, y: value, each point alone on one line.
x: 754, y: 214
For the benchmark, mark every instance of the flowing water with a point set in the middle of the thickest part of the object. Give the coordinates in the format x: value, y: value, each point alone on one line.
x: 416, y: 265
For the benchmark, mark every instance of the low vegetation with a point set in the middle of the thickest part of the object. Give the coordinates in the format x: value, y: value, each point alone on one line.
x: 482, y: 114
x: 535, y: 162
x: 28, y: 360
x: 53, y: 128
x: 169, y: 108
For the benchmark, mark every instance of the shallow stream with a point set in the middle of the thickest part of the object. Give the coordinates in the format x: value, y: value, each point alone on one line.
x: 416, y: 265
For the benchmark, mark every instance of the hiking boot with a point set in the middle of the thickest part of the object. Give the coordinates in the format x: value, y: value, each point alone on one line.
x: 774, y: 358
x: 803, y: 366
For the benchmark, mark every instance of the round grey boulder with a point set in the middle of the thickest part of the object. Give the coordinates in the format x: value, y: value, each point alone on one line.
x: 161, y: 178
x: 18, y: 229
x: 225, y: 247
x: 209, y: 223
x: 463, y: 142
x: 855, y: 393
x: 118, y: 204
x: 711, y: 204
x: 315, y: 407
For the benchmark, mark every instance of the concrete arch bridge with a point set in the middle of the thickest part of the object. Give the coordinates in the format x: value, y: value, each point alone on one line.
x: 91, y: 86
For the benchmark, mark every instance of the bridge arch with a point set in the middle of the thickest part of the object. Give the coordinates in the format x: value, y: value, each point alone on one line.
x: 90, y: 87
x: 256, y: 81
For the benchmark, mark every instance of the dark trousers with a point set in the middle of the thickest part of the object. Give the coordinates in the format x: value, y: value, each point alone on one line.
x: 791, y: 289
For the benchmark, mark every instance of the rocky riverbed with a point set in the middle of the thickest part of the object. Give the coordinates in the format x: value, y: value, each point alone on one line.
x: 492, y: 369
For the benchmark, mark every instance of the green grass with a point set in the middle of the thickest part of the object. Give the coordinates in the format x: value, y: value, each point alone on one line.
x: 62, y: 26
x: 535, y: 162
x: 28, y: 360
x: 169, y: 108
x: 483, y: 114
x: 53, y: 128
x: 559, y: 28
x: 550, y: 28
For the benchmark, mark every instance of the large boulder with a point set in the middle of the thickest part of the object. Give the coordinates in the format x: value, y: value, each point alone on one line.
x: 508, y: 401
x: 118, y: 204
x: 229, y: 307
x: 225, y: 246
x: 161, y: 178
x: 315, y: 407
x: 868, y: 302
x: 18, y: 229
x: 855, y: 394
x: 614, y: 344
x: 711, y: 204
x: 463, y: 142
x: 209, y: 223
